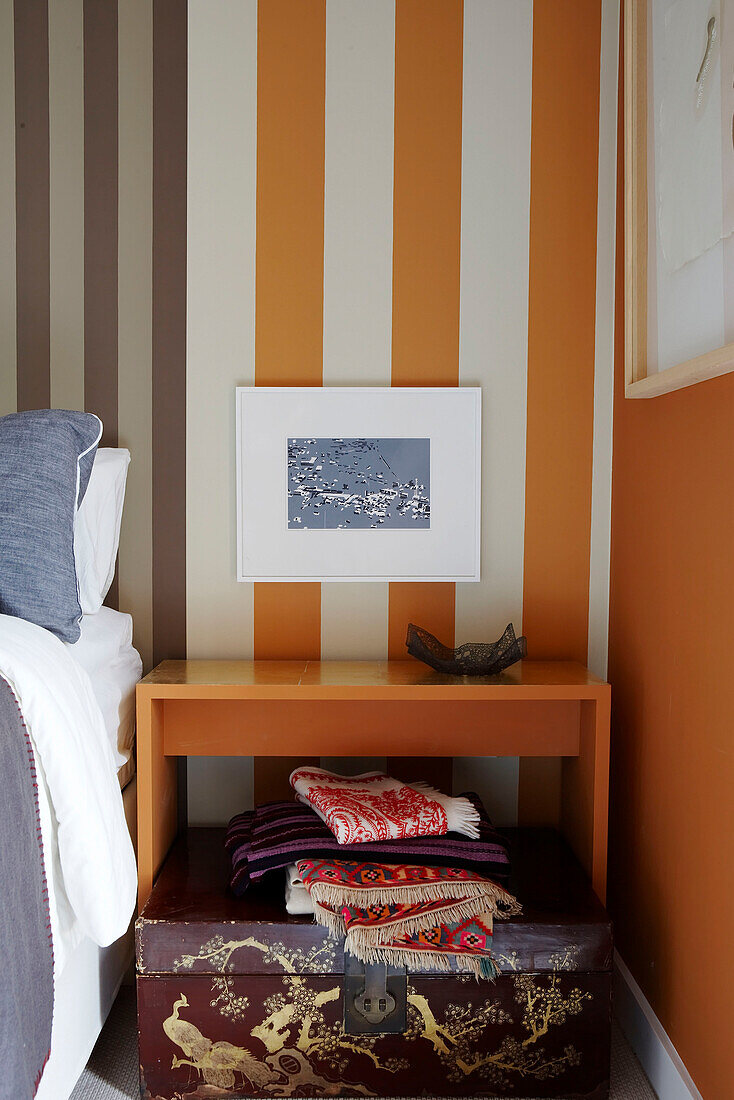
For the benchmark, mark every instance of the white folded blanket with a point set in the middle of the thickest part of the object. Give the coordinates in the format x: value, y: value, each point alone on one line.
x: 297, y: 898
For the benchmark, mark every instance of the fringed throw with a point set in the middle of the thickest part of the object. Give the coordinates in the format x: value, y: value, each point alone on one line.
x: 425, y: 918
x: 441, y: 944
x: 372, y: 806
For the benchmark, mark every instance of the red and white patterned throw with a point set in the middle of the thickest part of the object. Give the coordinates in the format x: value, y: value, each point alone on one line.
x: 372, y: 806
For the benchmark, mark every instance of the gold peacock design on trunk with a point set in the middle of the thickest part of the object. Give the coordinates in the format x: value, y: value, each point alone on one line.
x: 300, y: 1042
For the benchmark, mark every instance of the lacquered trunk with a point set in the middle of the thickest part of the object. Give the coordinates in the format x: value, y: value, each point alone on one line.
x: 237, y: 999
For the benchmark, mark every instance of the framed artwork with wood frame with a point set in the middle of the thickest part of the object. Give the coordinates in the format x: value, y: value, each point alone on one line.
x: 679, y: 193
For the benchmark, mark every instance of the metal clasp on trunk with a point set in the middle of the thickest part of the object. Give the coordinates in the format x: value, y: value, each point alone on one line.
x: 375, y: 998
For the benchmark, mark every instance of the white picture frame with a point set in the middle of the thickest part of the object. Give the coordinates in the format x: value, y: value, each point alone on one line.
x: 271, y: 543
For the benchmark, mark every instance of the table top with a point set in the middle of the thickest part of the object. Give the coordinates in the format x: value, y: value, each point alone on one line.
x: 365, y: 680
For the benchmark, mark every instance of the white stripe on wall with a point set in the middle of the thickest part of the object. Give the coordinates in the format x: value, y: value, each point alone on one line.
x: 8, y: 350
x: 135, y: 275
x: 222, y: 175
x: 222, y: 127
x: 358, y: 185
x: 358, y: 207
x: 493, y: 335
x: 601, y: 491
x: 354, y: 621
x: 66, y: 200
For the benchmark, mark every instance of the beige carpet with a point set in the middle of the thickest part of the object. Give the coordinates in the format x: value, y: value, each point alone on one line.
x: 113, y: 1068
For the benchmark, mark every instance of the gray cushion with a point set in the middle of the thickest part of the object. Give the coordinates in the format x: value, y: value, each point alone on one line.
x: 46, y: 458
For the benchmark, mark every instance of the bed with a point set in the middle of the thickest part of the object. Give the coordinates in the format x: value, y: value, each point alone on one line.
x: 83, y: 996
x: 88, y: 981
x: 68, y: 670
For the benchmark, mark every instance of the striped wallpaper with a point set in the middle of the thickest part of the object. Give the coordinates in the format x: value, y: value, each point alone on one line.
x: 76, y: 261
x: 310, y: 192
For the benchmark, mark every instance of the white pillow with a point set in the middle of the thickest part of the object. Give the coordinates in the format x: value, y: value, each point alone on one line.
x: 97, y: 527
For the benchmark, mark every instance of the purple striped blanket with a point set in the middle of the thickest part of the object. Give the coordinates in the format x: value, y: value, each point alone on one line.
x: 279, y: 833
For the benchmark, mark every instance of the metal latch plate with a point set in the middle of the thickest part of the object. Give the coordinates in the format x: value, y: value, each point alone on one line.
x: 375, y: 998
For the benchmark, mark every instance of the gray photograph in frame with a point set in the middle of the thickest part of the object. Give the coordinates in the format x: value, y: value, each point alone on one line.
x: 359, y: 484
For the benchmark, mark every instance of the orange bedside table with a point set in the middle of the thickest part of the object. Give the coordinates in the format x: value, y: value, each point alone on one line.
x: 391, y: 708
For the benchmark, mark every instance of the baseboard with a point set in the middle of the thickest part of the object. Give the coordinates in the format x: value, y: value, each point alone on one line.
x: 647, y: 1037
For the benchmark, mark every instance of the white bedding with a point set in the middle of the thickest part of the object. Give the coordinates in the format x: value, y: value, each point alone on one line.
x: 105, y: 651
x: 89, y: 856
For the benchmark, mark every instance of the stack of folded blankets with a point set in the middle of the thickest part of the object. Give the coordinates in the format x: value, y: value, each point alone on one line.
x: 407, y: 875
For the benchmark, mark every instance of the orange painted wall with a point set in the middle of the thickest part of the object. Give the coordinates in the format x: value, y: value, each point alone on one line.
x: 561, y: 333
x: 671, y: 634
x: 426, y: 266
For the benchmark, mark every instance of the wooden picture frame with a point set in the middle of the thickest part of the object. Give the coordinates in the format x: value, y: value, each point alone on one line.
x: 639, y: 382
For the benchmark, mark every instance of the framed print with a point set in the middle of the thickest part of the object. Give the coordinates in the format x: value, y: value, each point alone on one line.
x: 679, y: 193
x: 358, y: 483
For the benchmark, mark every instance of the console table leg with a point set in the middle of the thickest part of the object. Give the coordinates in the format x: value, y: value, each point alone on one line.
x: 157, y: 795
x: 585, y: 793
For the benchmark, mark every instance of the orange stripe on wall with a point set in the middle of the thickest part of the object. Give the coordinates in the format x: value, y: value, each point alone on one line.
x: 289, y: 297
x: 287, y: 621
x: 426, y: 243
x: 561, y: 340
x: 560, y: 401
x: 427, y: 605
x: 289, y: 272
x: 291, y: 91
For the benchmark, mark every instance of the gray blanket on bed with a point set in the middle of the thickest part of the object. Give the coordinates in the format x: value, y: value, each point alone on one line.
x: 26, y: 950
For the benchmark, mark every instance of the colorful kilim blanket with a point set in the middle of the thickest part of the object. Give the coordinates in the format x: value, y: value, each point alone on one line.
x: 340, y: 881
x: 372, y: 806
x: 279, y: 833
x: 424, y: 918
x: 447, y: 939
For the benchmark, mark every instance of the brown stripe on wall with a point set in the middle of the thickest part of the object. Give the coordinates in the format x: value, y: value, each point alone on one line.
x: 8, y: 311
x: 426, y: 264
x: 426, y: 243
x: 66, y: 170
x: 169, y: 330
x: 100, y: 215
x: 32, y: 204
x: 291, y: 93
x: 135, y: 231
